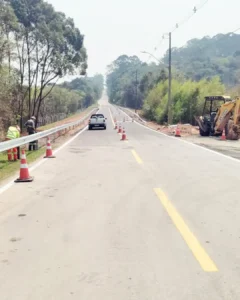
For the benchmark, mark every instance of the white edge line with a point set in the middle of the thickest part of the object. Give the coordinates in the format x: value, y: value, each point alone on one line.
x: 125, y: 114
x: 111, y: 116
x: 186, y: 142
x: 40, y: 162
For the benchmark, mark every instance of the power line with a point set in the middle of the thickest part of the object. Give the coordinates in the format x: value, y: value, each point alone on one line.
x: 235, y: 30
x: 177, y: 25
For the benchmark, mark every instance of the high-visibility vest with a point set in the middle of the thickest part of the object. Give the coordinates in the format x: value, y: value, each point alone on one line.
x: 13, y: 133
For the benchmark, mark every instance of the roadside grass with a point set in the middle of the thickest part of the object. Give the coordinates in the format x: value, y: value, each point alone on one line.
x: 67, y: 120
x: 9, y: 168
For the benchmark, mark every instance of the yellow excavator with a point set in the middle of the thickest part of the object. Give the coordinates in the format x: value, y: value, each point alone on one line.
x: 219, y: 113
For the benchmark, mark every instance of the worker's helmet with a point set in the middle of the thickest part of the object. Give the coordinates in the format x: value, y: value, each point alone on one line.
x: 33, y: 118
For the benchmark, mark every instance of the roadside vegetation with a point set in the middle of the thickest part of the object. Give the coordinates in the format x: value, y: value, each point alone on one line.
x: 9, y: 168
x: 208, y: 66
x: 38, y: 48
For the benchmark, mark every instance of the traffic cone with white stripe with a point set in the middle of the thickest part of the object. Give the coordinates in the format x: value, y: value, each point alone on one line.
x: 178, y: 132
x: 24, y: 173
x: 124, y: 136
x: 223, y: 136
x: 49, y: 153
x: 119, y: 129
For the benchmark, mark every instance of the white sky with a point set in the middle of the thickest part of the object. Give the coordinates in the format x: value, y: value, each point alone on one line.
x: 113, y: 28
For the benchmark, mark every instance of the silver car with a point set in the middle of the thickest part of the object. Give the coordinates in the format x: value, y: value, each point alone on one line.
x: 97, y: 121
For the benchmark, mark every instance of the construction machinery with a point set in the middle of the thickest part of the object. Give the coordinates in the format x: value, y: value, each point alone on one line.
x: 220, y: 113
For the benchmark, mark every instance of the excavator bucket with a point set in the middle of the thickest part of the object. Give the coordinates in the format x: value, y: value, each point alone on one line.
x: 232, y: 131
x: 200, y: 123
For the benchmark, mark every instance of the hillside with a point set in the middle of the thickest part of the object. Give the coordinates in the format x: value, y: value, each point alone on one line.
x: 209, y: 57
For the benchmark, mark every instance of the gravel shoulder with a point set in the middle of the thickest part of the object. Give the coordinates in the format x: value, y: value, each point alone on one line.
x: 191, y: 134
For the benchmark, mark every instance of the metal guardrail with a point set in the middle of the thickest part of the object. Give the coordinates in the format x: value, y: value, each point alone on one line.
x: 132, y: 113
x: 33, y: 137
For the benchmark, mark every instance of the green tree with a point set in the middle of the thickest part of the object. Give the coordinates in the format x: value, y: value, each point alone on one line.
x: 209, y: 57
x: 49, y: 46
x: 188, y: 99
x: 92, y: 87
x: 129, y: 80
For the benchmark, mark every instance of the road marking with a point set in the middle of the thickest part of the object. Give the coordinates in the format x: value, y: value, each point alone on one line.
x: 200, y: 254
x: 6, y: 186
x: 138, y: 159
x: 186, y: 142
x: 125, y: 114
x: 111, y: 116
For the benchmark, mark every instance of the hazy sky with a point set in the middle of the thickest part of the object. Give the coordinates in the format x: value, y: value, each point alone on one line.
x: 112, y: 27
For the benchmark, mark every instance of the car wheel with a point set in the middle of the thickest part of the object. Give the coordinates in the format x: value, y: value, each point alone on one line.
x: 89, y: 127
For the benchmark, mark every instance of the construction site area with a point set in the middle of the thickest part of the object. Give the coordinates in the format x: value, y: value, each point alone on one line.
x: 218, y: 128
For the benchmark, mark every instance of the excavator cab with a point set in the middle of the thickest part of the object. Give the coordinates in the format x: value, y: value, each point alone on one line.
x: 206, y: 122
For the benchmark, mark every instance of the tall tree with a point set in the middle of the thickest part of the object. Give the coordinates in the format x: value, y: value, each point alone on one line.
x: 49, y: 46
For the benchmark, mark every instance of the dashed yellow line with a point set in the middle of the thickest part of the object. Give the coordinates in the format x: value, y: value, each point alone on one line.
x: 198, y: 251
x: 138, y: 159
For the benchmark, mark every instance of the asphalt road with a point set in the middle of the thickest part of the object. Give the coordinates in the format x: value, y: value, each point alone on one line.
x: 145, y: 219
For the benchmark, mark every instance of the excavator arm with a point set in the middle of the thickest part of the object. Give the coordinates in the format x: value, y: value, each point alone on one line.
x: 228, y: 116
x: 225, y: 111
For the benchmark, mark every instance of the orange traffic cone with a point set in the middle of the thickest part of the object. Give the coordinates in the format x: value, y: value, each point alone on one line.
x: 24, y: 173
x: 223, y: 136
x: 49, y: 153
x: 119, y: 129
x: 124, y: 136
x: 116, y: 127
x: 178, y: 132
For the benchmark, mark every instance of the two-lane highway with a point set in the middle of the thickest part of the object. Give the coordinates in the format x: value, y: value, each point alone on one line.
x: 150, y: 218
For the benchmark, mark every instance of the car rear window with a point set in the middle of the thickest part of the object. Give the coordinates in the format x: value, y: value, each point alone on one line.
x: 97, y: 116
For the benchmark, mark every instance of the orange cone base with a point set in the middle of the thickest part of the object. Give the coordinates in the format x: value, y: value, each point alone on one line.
x: 177, y: 135
x: 30, y: 179
x: 51, y: 156
x: 124, y: 139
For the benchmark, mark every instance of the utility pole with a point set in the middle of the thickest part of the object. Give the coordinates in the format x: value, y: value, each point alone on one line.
x: 170, y: 115
x: 136, y: 92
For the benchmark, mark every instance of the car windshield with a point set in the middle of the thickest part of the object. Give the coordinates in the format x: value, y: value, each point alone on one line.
x: 97, y: 116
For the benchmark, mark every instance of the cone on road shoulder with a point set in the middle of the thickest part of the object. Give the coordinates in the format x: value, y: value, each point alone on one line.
x: 124, y: 136
x: 116, y: 126
x: 223, y: 136
x: 49, y: 153
x: 24, y: 173
x: 178, y: 132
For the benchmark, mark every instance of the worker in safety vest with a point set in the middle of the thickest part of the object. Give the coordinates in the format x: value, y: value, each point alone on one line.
x: 13, y: 133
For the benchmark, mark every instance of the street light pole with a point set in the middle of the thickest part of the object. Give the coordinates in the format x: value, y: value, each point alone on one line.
x: 170, y: 115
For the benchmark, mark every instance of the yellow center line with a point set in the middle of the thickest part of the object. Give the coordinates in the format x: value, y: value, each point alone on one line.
x: 138, y: 159
x: 198, y: 251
